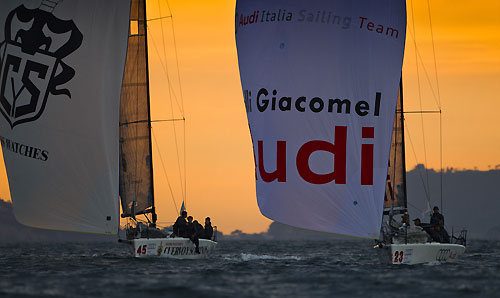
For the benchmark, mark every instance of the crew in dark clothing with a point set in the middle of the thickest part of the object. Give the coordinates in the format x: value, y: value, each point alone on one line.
x: 197, y: 234
x: 180, y: 225
x: 437, y: 218
x: 189, y: 227
x: 438, y: 232
x: 209, y: 231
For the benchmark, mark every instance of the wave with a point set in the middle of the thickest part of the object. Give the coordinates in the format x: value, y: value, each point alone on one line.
x: 251, y: 257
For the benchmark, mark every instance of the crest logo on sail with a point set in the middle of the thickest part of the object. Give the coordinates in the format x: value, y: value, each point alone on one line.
x: 31, y: 61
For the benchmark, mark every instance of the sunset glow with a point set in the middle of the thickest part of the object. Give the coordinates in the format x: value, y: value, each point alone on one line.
x: 219, y: 163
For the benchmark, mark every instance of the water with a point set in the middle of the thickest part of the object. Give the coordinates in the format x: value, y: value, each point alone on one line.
x: 242, y: 269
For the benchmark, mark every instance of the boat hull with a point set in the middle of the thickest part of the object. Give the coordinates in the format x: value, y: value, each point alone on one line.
x: 174, y: 248
x: 418, y: 253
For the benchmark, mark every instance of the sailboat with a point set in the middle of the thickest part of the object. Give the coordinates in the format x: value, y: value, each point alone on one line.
x: 403, y: 244
x: 321, y: 83
x: 76, y: 125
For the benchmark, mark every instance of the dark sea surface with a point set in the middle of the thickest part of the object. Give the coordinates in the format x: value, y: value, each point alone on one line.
x: 335, y: 268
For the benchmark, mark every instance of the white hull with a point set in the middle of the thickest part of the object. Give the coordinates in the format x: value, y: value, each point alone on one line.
x: 174, y: 248
x: 418, y: 253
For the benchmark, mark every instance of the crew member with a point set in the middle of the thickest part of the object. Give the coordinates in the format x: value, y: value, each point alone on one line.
x: 189, y: 227
x: 209, y: 231
x: 180, y: 225
x: 198, y: 232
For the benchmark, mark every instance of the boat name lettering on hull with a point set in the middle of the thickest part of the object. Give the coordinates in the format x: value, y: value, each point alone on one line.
x: 174, y: 251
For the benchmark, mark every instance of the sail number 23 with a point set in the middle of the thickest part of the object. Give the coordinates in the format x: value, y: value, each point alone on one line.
x: 398, y: 256
x: 141, y: 249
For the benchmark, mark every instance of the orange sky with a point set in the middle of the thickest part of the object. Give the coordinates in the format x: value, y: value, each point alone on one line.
x: 219, y: 160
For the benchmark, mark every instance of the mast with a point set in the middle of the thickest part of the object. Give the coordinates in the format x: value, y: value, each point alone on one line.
x: 403, y: 141
x: 153, y: 210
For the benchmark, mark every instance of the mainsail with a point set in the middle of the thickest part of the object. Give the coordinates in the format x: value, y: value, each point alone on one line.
x: 320, y: 84
x: 61, y: 66
x: 395, y: 191
x: 136, y: 172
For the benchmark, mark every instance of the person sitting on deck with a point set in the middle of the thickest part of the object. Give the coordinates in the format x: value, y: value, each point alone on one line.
x: 189, y: 227
x: 424, y: 226
x: 180, y: 225
x: 436, y: 217
x: 438, y: 232
x: 209, y: 231
x: 198, y: 232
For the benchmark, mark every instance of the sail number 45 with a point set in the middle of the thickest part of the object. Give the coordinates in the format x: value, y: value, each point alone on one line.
x: 398, y: 256
x: 141, y: 249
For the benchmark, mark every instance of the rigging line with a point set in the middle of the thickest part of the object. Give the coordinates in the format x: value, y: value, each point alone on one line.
x: 168, y: 6
x: 165, y: 70
x: 419, y: 91
x: 171, y: 105
x: 164, y: 170
x: 441, y: 159
x: 185, y: 167
x: 415, y: 207
x: 152, y: 121
x: 177, y: 61
x: 438, y: 102
x: 416, y: 160
x: 177, y: 153
x: 440, y: 114
x: 182, y: 101
x: 160, y: 18
x: 434, y: 53
x: 422, y: 112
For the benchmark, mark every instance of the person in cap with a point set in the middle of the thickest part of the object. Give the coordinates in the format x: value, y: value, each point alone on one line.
x: 423, y: 226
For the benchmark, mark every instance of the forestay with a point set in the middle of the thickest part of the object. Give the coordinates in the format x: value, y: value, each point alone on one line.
x: 320, y: 84
x: 61, y: 68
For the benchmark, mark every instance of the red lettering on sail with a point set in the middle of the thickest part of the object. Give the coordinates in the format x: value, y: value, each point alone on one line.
x: 338, y: 150
x: 367, y: 156
x: 280, y: 172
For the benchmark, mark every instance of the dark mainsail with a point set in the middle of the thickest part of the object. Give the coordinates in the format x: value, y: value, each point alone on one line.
x: 136, y: 172
x: 395, y: 193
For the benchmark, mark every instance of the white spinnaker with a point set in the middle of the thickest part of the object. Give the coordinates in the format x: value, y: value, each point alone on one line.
x: 62, y: 161
x: 315, y: 52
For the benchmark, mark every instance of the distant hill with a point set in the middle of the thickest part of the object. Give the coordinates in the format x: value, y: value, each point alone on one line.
x: 11, y: 231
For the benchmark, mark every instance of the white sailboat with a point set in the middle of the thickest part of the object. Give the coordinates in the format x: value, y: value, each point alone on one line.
x: 136, y: 167
x: 76, y: 125
x: 320, y: 82
x: 403, y: 244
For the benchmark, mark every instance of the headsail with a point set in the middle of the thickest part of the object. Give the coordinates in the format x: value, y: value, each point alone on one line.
x: 61, y: 66
x: 395, y: 191
x: 136, y: 175
x: 320, y: 84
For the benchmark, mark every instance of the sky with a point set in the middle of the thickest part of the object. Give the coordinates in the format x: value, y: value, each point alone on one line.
x: 215, y: 153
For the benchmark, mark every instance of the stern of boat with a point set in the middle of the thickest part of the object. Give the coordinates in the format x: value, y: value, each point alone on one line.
x: 174, y: 248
